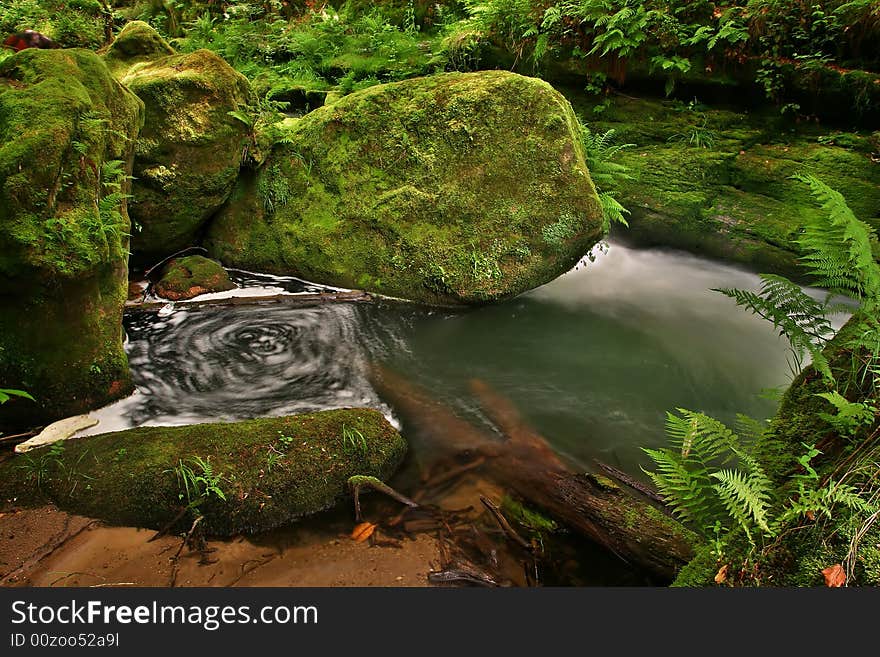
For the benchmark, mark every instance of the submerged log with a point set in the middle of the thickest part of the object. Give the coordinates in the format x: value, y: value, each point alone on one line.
x: 592, y: 505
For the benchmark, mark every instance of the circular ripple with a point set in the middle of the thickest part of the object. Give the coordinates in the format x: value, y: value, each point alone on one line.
x: 240, y: 362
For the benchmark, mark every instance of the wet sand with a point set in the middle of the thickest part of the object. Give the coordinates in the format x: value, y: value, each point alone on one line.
x: 47, y: 547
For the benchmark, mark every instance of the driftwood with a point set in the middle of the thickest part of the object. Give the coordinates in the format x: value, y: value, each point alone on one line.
x: 592, y: 505
x: 294, y: 300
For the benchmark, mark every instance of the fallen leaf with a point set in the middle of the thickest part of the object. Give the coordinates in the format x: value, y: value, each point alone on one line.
x: 363, y: 531
x: 721, y: 575
x: 835, y: 576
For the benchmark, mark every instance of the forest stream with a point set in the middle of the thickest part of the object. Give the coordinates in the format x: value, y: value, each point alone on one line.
x: 593, y: 360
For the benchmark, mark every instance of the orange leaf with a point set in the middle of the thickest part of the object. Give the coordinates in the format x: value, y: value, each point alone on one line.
x: 721, y: 576
x: 363, y: 531
x: 835, y: 576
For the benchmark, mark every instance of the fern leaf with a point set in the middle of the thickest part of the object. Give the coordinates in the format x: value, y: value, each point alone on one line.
x: 839, y: 247
x: 745, y: 499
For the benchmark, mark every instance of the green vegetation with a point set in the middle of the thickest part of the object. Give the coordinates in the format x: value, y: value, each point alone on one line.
x: 814, y: 59
x: 737, y: 200
x: 73, y: 24
x: 191, y: 145
x: 199, y: 482
x: 454, y: 188
x: 314, y: 146
x: 7, y: 393
x: 184, y: 278
x: 729, y: 489
x: 218, y: 471
x: 66, y: 139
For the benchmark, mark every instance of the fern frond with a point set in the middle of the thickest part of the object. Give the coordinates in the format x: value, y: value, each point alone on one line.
x: 839, y: 247
x: 750, y: 428
x: 612, y: 210
x: 700, y: 438
x: 745, y: 499
x: 799, y: 317
x: 683, y: 492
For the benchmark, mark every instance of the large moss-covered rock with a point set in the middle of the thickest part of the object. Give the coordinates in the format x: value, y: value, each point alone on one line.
x: 67, y: 132
x: 136, y: 42
x: 185, y: 278
x: 189, y: 151
x: 455, y: 188
x: 270, y: 471
x: 719, y: 183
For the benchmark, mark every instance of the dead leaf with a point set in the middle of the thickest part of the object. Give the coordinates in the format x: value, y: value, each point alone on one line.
x: 721, y: 575
x: 363, y: 531
x: 835, y: 576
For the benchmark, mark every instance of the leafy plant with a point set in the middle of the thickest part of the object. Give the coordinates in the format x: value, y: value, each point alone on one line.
x: 698, y: 136
x: 838, y: 252
x: 699, y: 490
x: 600, y: 153
x: 711, y: 481
x: 199, y: 481
x: 692, y: 476
x: 38, y: 464
x: 7, y: 393
x: 799, y: 317
x: 849, y: 416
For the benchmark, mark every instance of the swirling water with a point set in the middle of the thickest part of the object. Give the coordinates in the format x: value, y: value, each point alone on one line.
x: 593, y: 359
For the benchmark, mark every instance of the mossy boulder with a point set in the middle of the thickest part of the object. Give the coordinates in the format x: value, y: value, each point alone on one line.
x: 719, y: 183
x: 190, y: 148
x: 455, y: 188
x: 136, y: 42
x: 185, y: 278
x: 67, y: 132
x: 271, y: 471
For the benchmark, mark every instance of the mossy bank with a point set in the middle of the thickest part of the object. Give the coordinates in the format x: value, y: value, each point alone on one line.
x: 717, y: 182
x: 270, y: 471
x: 67, y: 132
x: 455, y: 188
x: 797, y: 556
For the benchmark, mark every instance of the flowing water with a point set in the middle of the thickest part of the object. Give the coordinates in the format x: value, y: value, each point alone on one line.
x: 593, y: 359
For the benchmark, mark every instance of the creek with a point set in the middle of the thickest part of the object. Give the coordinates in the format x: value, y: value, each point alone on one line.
x: 593, y: 359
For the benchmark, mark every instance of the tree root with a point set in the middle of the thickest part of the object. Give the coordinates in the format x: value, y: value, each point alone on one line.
x: 357, y: 482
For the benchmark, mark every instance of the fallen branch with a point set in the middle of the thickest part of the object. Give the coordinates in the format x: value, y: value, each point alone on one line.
x: 523, y: 462
x: 357, y: 482
x: 295, y: 300
x: 505, y: 526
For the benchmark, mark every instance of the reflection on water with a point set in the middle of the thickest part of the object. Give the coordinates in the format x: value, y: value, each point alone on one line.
x: 593, y: 359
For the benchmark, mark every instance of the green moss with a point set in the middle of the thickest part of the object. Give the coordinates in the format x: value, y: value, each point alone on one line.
x: 799, y: 554
x: 699, y: 571
x: 128, y: 477
x: 436, y: 189
x: 63, y: 262
x: 734, y: 200
x: 184, y: 278
x: 136, y: 42
x: 190, y: 149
